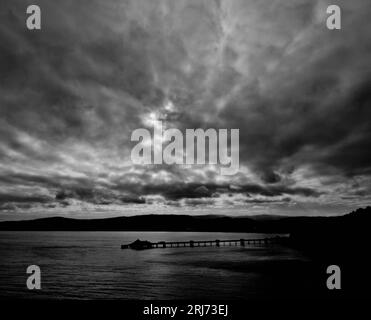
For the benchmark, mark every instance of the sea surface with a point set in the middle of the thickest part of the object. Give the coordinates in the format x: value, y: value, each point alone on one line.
x: 91, y: 265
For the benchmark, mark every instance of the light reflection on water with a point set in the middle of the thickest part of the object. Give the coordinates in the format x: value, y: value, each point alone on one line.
x: 91, y: 265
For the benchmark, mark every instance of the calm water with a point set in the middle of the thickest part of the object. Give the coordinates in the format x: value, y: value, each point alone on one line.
x: 91, y: 265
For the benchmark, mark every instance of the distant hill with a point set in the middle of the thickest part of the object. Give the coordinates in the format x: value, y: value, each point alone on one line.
x: 357, y: 220
x: 136, y: 223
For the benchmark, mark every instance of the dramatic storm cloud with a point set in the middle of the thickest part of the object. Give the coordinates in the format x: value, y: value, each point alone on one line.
x: 72, y: 93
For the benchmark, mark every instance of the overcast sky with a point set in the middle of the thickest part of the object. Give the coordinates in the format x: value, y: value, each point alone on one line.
x: 72, y: 93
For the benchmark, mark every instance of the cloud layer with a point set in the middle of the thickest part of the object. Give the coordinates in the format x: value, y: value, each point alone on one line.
x: 72, y: 93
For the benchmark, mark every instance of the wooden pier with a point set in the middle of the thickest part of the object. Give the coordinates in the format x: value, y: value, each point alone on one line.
x: 141, y: 245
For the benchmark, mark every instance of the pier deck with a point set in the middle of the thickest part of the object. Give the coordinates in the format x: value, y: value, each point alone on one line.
x: 138, y: 244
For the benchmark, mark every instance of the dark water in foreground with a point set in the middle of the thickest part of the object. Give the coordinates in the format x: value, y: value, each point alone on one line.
x: 91, y: 265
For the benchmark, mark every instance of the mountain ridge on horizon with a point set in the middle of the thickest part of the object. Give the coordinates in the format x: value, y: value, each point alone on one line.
x: 171, y: 222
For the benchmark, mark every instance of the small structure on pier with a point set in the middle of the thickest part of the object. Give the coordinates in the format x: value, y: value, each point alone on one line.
x: 141, y: 245
x: 138, y: 245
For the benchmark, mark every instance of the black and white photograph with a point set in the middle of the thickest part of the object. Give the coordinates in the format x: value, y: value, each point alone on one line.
x: 160, y: 152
